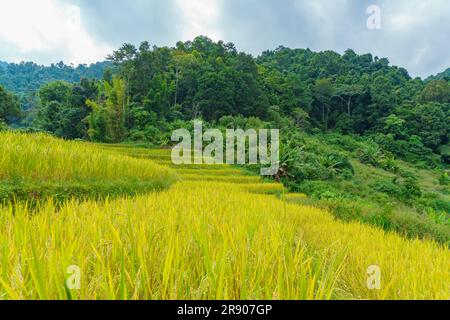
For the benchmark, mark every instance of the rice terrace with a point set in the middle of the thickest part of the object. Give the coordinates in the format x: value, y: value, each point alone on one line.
x: 306, y: 160
x: 210, y: 233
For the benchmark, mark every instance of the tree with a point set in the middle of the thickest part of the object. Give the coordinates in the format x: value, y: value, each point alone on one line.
x: 72, y: 119
x: 107, y: 117
x: 323, y: 92
x: 436, y: 91
x: 384, y: 100
x: 395, y: 126
x: 126, y: 58
x: 53, y: 101
x: 215, y: 94
x: 430, y: 122
x: 158, y: 98
x: 347, y: 93
x: 9, y: 106
x: 301, y: 118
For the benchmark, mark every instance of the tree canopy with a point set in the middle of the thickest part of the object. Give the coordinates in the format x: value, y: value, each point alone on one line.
x: 143, y: 90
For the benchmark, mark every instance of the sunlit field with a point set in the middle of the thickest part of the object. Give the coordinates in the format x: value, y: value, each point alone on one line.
x: 212, y: 233
x: 33, y: 167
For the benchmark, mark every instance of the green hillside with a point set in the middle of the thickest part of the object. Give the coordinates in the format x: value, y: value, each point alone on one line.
x: 440, y: 76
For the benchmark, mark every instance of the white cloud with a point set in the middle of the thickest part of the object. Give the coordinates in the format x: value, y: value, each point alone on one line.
x: 200, y: 18
x: 414, y: 33
x: 46, y: 26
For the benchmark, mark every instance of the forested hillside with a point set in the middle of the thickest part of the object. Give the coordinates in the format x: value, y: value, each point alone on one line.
x: 9, y: 107
x: 325, y: 91
x: 441, y: 76
x: 25, y: 78
x: 359, y: 136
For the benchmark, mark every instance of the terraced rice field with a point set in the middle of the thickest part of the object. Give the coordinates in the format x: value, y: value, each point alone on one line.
x: 215, y: 233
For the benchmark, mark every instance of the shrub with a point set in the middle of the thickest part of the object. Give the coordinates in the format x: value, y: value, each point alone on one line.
x: 444, y: 179
x: 3, y: 126
x: 370, y: 154
x: 389, y: 187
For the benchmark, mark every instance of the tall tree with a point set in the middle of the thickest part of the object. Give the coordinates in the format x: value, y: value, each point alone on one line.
x: 323, y: 92
x: 108, y: 115
x: 348, y: 93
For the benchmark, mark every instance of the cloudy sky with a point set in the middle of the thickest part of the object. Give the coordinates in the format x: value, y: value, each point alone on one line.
x: 414, y: 33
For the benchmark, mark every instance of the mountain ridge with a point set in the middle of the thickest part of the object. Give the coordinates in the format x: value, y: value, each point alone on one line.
x: 440, y: 76
x: 25, y: 78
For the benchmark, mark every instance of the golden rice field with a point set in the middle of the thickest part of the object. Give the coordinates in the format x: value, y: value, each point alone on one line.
x: 40, y: 166
x: 201, y: 240
x: 43, y: 157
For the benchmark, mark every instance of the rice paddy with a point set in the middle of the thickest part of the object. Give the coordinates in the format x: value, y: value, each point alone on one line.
x: 39, y: 166
x: 213, y: 234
